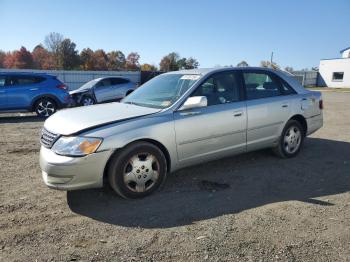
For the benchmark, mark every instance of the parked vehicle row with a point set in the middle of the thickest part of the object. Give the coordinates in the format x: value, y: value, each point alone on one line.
x: 173, y: 121
x: 45, y: 94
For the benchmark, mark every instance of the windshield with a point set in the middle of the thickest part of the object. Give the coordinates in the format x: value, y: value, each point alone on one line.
x: 161, y: 91
x: 89, y: 84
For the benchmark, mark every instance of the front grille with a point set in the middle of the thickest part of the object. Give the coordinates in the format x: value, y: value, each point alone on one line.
x: 48, y: 138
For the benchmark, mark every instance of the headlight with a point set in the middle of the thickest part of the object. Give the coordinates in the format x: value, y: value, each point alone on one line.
x: 76, y: 146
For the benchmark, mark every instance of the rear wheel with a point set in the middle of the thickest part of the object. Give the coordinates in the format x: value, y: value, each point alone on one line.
x: 291, y: 140
x: 138, y: 170
x: 45, y: 107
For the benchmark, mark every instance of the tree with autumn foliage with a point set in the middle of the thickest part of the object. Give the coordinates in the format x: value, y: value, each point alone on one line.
x: 173, y: 62
x: 42, y: 58
x: 132, y: 61
x: 2, y: 58
x: 101, y: 60
x: 21, y: 59
x: 148, y: 67
x: 87, y: 59
x: 116, y: 60
x: 67, y: 55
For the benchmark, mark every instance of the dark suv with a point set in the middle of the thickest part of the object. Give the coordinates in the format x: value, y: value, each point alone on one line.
x: 32, y: 92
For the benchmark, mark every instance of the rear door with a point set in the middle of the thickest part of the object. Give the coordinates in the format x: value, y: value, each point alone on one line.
x: 103, y: 90
x: 3, y: 91
x: 217, y: 129
x: 22, y: 90
x: 120, y: 87
x: 267, y: 108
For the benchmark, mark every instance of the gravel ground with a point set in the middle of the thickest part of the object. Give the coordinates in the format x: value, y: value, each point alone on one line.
x: 252, y: 207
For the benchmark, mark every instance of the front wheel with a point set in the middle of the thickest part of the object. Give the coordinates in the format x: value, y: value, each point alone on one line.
x: 87, y: 101
x: 138, y: 170
x: 45, y: 107
x: 291, y: 140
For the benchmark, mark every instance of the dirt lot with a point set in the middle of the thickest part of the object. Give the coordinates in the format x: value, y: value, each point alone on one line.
x: 253, y: 207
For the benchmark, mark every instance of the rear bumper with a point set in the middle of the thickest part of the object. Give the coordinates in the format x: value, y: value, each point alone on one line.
x: 314, y: 123
x: 71, y: 173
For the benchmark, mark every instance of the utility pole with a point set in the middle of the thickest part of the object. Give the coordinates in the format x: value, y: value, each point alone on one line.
x: 271, y: 60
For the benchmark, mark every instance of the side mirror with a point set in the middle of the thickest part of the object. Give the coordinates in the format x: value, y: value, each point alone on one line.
x: 194, y: 102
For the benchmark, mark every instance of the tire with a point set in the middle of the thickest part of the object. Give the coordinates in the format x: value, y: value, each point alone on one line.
x: 291, y: 140
x: 137, y: 171
x: 45, y: 107
x: 87, y: 100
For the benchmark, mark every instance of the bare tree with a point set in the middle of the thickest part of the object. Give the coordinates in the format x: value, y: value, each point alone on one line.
x: 53, y: 42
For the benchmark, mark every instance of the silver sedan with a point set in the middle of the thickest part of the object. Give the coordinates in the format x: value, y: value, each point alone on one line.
x: 173, y: 121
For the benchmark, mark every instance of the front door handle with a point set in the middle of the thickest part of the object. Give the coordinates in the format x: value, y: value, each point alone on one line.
x: 237, y: 114
x: 190, y: 113
x: 2, y: 91
x: 33, y: 89
x: 285, y: 105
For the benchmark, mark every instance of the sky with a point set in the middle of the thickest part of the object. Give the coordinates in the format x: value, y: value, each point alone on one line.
x: 221, y: 32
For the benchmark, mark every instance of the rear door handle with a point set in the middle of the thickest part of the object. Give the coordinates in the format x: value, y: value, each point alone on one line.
x: 2, y: 91
x: 33, y: 89
x: 285, y: 105
x: 237, y: 114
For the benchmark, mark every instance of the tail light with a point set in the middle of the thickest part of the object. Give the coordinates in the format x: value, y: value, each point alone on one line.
x: 320, y: 104
x: 62, y: 86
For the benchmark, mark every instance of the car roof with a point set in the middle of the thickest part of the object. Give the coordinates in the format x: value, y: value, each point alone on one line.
x: 106, y: 77
x: 205, y: 71
x: 25, y: 74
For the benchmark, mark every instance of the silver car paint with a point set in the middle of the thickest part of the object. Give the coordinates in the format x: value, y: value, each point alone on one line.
x: 188, y: 137
x: 112, y: 92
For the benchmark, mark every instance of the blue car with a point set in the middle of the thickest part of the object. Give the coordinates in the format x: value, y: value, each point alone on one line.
x: 32, y: 92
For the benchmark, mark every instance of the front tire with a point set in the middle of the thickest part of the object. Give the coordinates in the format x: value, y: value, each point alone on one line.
x: 291, y: 140
x: 45, y: 107
x: 87, y: 101
x: 137, y: 171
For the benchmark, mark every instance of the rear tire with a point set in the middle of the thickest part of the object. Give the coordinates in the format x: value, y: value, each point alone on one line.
x: 45, y: 107
x: 137, y: 171
x: 291, y: 140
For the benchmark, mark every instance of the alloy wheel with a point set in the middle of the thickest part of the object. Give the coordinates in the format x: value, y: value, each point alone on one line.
x: 141, y: 172
x: 46, y: 108
x: 87, y: 101
x: 292, y: 139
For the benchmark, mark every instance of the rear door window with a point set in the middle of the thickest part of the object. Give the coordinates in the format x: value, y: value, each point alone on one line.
x: 25, y: 80
x: 260, y: 85
x: 118, y: 81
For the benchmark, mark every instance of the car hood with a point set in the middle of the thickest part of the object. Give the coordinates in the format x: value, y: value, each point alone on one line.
x: 77, y: 91
x: 70, y: 121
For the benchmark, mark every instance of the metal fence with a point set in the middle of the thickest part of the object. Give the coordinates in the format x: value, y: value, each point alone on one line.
x: 75, y: 79
x: 306, y: 78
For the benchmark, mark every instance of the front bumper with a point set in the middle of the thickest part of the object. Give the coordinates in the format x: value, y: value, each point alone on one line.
x: 71, y: 173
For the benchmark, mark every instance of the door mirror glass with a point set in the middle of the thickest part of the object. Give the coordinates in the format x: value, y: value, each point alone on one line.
x: 194, y: 102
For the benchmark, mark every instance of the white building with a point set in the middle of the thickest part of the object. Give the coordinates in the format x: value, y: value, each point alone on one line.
x: 335, y: 72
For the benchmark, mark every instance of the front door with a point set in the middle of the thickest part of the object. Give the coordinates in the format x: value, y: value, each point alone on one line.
x: 215, y: 130
x: 104, y: 90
